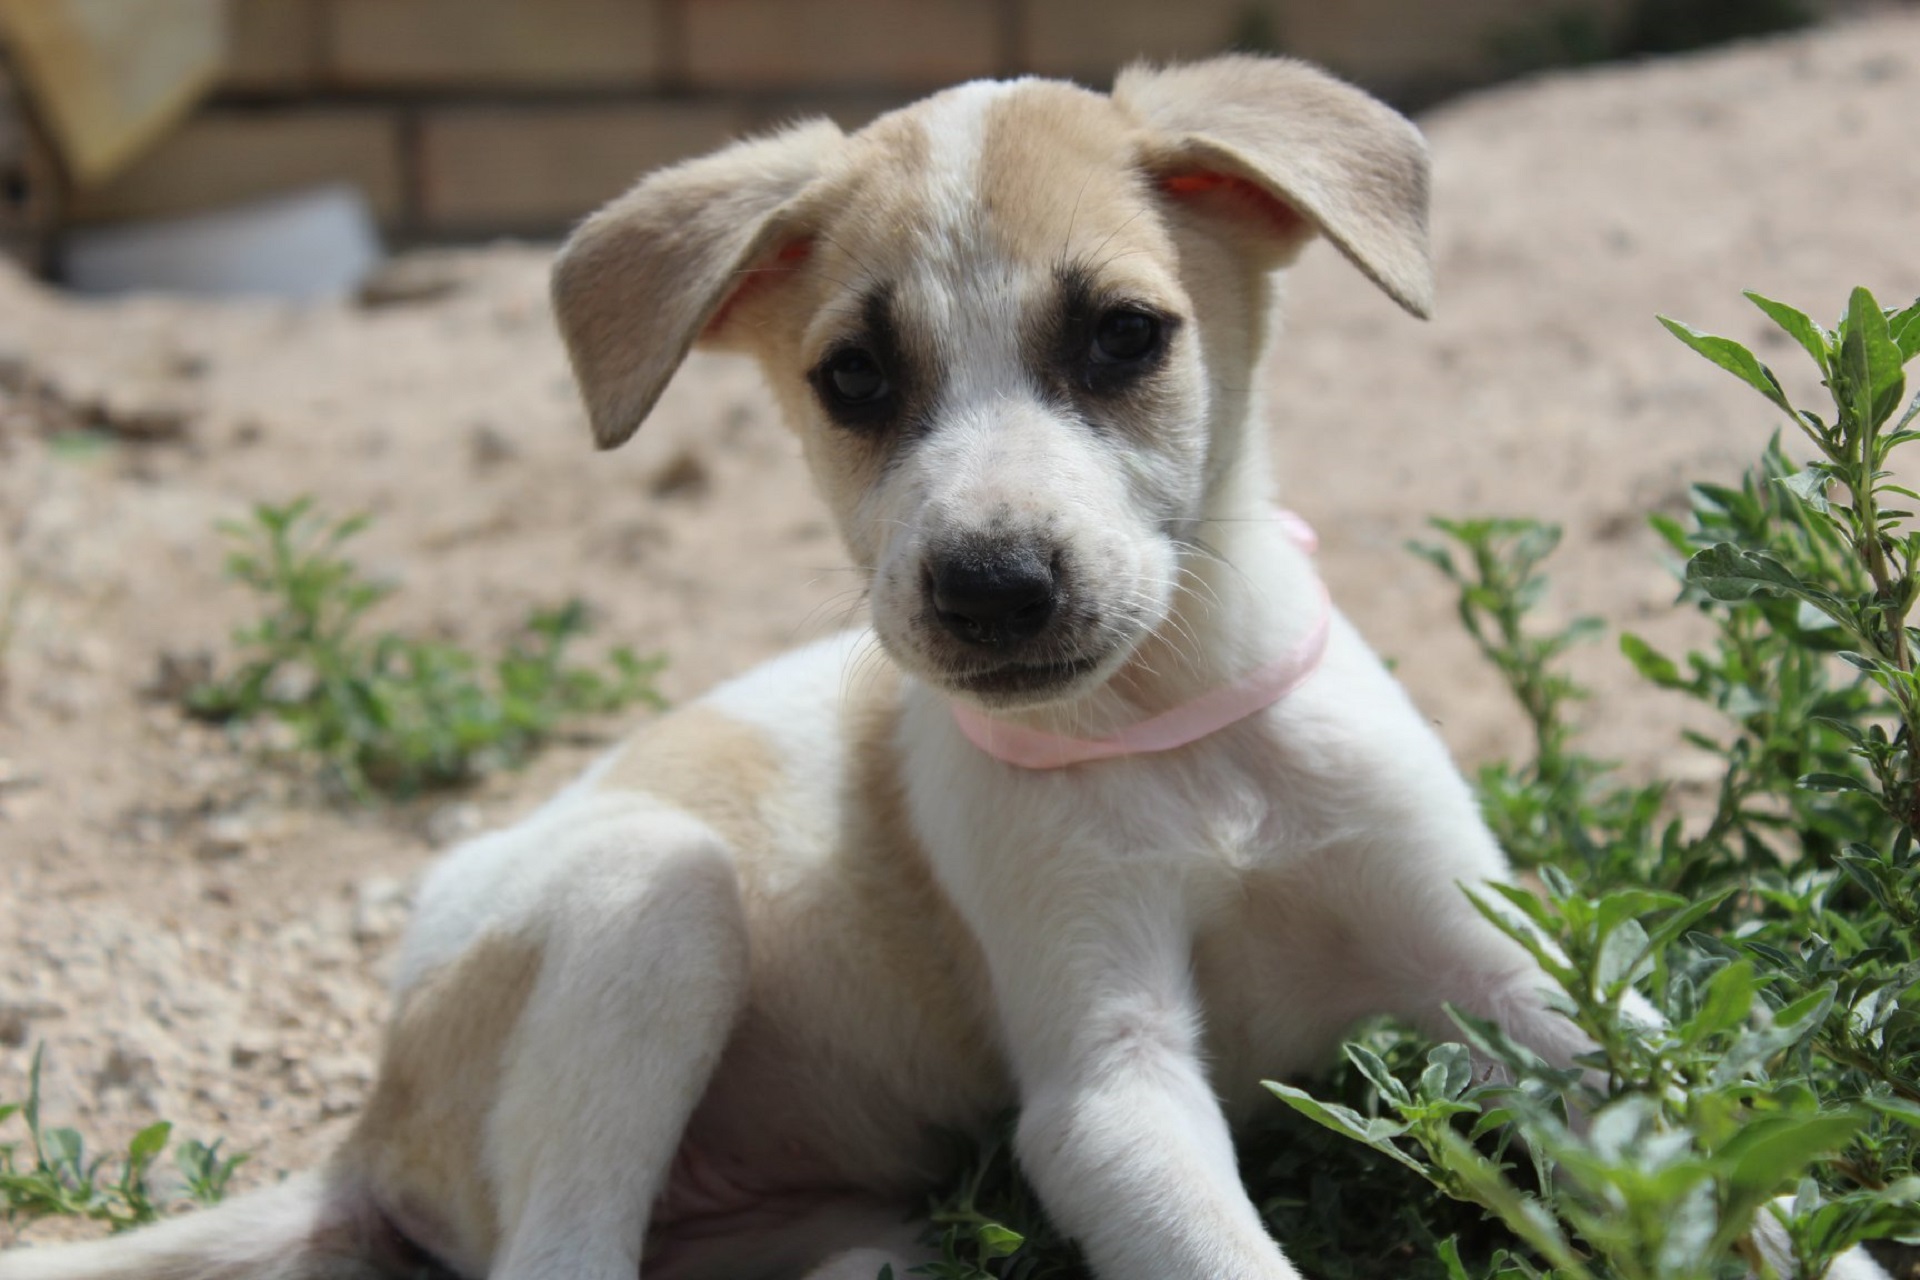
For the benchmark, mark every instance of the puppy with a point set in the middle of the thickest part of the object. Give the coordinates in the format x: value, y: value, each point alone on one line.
x: 1110, y: 816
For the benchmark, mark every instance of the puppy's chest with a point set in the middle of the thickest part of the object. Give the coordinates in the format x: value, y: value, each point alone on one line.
x: 1255, y: 860
x: 1212, y: 821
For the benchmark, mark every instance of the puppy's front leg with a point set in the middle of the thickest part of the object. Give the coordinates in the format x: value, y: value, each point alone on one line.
x: 1119, y: 1131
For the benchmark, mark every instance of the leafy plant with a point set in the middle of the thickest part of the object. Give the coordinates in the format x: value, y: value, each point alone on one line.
x: 1777, y: 940
x: 385, y: 712
x: 51, y: 1175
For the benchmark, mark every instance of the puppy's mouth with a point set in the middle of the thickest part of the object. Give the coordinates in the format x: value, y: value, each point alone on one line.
x: 1024, y: 682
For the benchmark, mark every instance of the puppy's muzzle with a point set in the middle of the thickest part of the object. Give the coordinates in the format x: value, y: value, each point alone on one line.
x: 993, y: 594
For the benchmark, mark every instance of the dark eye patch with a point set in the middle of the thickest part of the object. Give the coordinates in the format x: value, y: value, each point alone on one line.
x: 861, y: 379
x: 1101, y: 344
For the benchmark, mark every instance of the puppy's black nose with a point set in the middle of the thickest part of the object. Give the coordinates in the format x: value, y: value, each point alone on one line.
x: 993, y: 594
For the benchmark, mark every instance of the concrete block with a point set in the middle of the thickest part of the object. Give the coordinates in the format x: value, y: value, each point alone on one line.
x: 226, y: 156
x: 273, y: 46
x: 1088, y: 40
x: 539, y: 169
x: 522, y: 43
x: 867, y: 44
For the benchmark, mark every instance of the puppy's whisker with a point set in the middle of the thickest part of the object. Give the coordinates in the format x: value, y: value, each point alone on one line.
x: 1097, y: 249
x: 858, y: 260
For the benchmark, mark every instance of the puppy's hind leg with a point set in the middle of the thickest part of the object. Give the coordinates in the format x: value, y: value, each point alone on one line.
x: 642, y: 970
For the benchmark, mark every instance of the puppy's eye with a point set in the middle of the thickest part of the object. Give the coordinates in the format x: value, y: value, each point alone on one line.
x: 1123, y: 335
x: 852, y: 379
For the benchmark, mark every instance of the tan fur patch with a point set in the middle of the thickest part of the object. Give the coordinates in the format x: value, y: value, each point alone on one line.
x: 1057, y: 178
x: 421, y: 1141
x: 707, y: 763
x: 929, y: 950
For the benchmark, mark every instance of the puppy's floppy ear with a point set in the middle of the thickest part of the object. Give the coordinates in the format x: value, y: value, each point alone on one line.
x: 662, y: 266
x: 1295, y: 150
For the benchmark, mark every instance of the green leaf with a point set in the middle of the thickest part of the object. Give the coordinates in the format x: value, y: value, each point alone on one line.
x: 1810, y: 486
x: 1790, y: 1026
x: 148, y: 1143
x: 1724, y: 1006
x: 1622, y: 959
x: 1735, y: 359
x: 1904, y: 329
x: 997, y: 1241
x: 64, y: 1150
x: 1378, y: 1134
x: 1650, y: 662
x: 1817, y: 342
x: 1907, y: 1113
x: 1831, y: 782
x: 1727, y: 572
x: 1525, y: 1216
x: 1870, y: 361
x: 1369, y: 1064
x: 1770, y: 1152
x: 1669, y: 930
x: 1448, y: 1072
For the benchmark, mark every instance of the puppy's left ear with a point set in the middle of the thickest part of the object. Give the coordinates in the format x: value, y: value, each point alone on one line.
x: 669, y: 264
x: 1286, y: 150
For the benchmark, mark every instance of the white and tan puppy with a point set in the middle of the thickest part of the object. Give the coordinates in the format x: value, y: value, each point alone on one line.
x: 705, y: 1014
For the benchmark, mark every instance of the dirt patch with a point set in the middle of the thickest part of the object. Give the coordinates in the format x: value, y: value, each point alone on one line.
x: 195, y: 937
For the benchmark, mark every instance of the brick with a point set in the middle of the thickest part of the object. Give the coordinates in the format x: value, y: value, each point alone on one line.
x: 539, y: 169
x: 478, y: 43
x: 222, y: 157
x: 1088, y: 40
x: 864, y: 44
x: 273, y: 46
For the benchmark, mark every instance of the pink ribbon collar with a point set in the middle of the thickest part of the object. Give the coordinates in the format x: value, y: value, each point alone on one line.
x: 1187, y: 723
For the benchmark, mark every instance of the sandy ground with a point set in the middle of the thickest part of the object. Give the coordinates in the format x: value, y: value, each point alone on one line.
x: 196, y: 937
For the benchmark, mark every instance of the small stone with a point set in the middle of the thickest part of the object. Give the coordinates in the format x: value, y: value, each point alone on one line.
x: 379, y: 909
x: 176, y: 673
x: 250, y: 1049
x: 125, y: 1068
x: 339, y: 1102
x: 489, y: 446
x: 450, y: 823
x: 683, y: 476
x: 409, y: 281
x: 228, y: 835
x: 16, y: 1015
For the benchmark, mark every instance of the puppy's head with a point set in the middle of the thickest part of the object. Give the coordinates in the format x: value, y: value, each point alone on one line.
x: 1016, y: 325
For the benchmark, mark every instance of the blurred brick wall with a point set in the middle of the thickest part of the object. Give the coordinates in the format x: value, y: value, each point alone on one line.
x: 464, y: 118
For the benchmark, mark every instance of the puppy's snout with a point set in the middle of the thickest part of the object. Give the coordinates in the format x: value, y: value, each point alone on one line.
x: 994, y: 593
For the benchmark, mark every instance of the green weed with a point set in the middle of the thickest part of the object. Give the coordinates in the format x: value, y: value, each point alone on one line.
x: 1777, y: 935
x: 383, y: 712
x: 50, y: 1174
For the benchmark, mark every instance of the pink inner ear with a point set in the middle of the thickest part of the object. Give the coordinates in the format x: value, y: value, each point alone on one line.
x: 762, y: 275
x: 1240, y: 194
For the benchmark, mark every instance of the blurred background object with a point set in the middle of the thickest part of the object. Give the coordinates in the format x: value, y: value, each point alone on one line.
x: 312, y: 244
x: 469, y: 119
x: 108, y: 77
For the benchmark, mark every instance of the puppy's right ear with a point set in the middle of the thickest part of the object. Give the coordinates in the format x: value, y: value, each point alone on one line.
x: 660, y: 268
